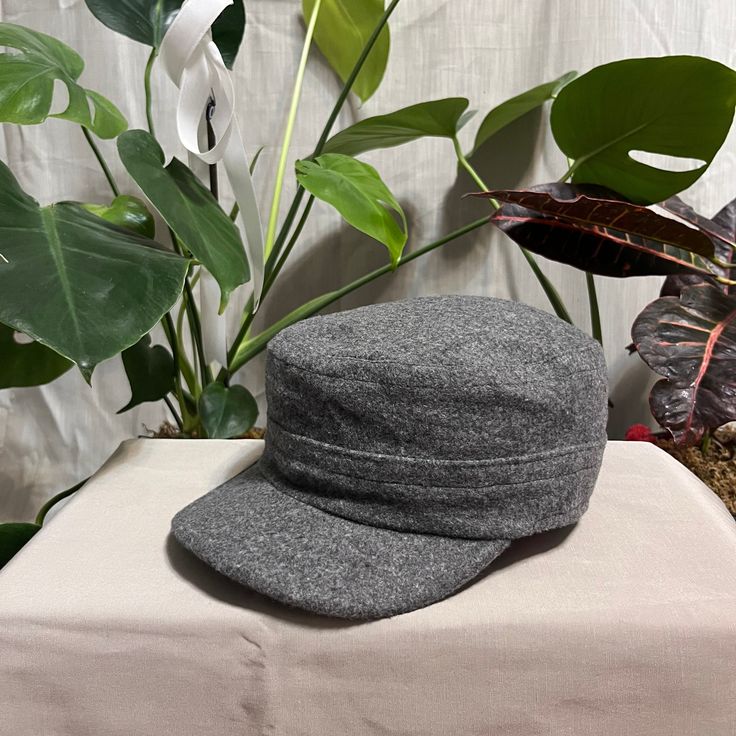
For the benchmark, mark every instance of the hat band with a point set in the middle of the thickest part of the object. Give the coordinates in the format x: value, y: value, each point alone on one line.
x: 479, y: 499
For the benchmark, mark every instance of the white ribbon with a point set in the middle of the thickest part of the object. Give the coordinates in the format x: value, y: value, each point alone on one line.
x: 193, y: 62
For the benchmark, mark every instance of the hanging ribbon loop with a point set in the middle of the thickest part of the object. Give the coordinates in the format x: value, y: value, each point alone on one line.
x: 194, y: 64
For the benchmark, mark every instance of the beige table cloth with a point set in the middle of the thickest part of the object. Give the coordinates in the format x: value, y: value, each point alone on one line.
x: 622, y: 625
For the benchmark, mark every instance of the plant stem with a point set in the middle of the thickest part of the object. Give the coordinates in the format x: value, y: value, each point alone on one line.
x: 548, y: 287
x: 41, y: 515
x: 273, y: 257
x: 101, y: 160
x: 172, y: 409
x: 252, y: 347
x: 595, y: 314
x: 170, y: 331
x: 342, y: 97
x: 147, y: 87
x: 281, y: 170
x: 195, y: 326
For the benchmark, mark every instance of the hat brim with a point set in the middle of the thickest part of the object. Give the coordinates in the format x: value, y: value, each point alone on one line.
x: 302, y: 556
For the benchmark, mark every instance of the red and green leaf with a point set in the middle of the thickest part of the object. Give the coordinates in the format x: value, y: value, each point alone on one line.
x: 691, y: 342
x: 593, y: 229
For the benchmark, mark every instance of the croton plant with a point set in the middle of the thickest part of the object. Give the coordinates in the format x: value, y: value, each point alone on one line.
x: 84, y: 282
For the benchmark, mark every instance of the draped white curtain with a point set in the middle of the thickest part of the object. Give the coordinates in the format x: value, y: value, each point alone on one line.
x: 486, y: 50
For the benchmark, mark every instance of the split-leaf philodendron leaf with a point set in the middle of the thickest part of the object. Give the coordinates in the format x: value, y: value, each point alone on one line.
x: 227, y: 411
x: 126, y: 211
x: 150, y: 370
x: 27, y: 363
x: 690, y: 342
x: 189, y: 209
x: 516, y: 107
x: 358, y: 193
x: 147, y: 21
x: 341, y: 33
x: 72, y: 281
x: 27, y: 78
x: 437, y: 118
x: 679, y: 106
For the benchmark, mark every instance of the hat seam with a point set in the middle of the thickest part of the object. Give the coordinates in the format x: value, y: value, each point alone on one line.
x: 509, y: 460
x: 438, y: 369
x: 538, y: 524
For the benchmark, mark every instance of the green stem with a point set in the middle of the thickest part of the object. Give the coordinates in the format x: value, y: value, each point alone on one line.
x: 147, y: 87
x: 342, y: 97
x: 170, y: 331
x: 173, y: 411
x: 296, y: 95
x: 273, y: 257
x: 595, y: 314
x: 252, y: 347
x: 195, y: 327
x: 547, y: 286
x: 101, y: 160
x: 41, y: 515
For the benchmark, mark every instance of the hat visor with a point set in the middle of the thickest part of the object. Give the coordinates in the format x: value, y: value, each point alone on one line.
x: 305, y: 557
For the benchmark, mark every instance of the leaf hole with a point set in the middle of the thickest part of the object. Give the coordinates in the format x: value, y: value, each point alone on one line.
x: 676, y: 164
x: 21, y: 338
x: 60, y: 98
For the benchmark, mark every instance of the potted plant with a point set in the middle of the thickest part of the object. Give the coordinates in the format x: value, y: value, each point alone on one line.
x: 110, y: 275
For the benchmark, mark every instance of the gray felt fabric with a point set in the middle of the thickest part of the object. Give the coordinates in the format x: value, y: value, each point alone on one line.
x: 407, y: 444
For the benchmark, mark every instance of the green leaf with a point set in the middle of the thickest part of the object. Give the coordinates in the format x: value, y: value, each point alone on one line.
x: 146, y: 21
x: 27, y: 364
x: 342, y: 31
x: 189, y: 209
x: 227, y: 412
x: 13, y: 537
x: 515, y: 108
x: 128, y: 212
x: 358, y: 193
x: 70, y: 280
x: 27, y: 84
x: 674, y: 105
x: 150, y: 371
x: 438, y: 118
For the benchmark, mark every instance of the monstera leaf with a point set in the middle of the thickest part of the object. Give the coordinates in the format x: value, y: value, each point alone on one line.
x: 150, y: 371
x: 674, y: 105
x: 691, y: 341
x: 227, y: 412
x: 721, y: 230
x: 342, y: 30
x: 27, y: 78
x: 592, y: 229
x: 27, y: 363
x: 189, y: 209
x: 358, y: 193
x: 72, y: 281
x: 147, y: 21
x: 438, y: 118
x: 515, y: 108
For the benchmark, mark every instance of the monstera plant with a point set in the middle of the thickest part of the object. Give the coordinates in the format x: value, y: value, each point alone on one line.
x: 108, y: 275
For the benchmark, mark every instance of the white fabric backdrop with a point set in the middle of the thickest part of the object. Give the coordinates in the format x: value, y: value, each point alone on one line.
x: 51, y: 437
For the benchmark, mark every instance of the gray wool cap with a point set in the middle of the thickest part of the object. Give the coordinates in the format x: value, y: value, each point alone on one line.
x: 408, y: 444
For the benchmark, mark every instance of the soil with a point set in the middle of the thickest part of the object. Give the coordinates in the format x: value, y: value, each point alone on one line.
x: 716, y: 468
x: 168, y: 431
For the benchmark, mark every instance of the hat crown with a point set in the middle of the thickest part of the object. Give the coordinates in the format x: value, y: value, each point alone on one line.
x: 443, y: 403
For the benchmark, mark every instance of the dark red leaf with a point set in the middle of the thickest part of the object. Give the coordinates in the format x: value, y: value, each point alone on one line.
x: 691, y: 342
x: 722, y: 232
x: 574, y: 225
